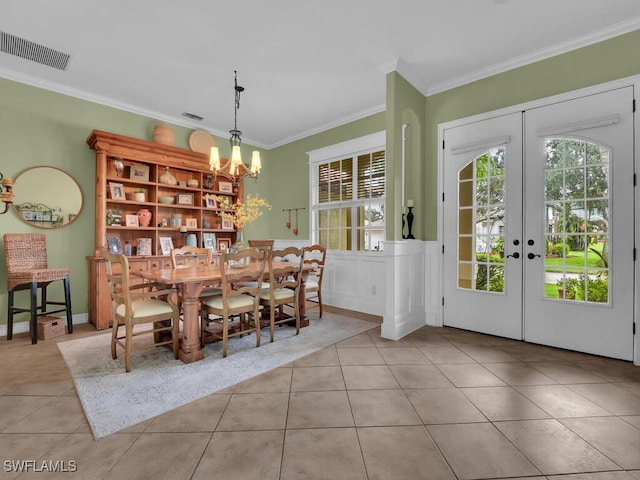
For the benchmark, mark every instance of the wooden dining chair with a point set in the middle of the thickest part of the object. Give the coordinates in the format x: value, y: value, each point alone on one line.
x: 239, y: 298
x: 261, y: 244
x: 315, y: 255
x: 285, y: 277
x: 189, y: 255
x: 136, y: 305
x: 27, y: 269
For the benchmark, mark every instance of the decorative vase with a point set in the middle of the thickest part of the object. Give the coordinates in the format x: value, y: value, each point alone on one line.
x: 138, y: 196
x: 167, y: 178
x: 163, y: 134
x: 144, y: 217
x: 238, y: 246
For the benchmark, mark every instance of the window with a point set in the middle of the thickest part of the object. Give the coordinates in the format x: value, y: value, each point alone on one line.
x: 348, y: 194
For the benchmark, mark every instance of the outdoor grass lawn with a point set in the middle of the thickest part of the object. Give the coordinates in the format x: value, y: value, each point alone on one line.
x: 574, y: 259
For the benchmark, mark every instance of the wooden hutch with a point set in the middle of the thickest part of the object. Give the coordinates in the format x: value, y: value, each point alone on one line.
x: 126, y: 165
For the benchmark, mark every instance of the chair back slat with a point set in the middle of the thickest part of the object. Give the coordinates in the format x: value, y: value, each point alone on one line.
x: 288, y: 273
x: 189, y: 255
x: 245, y: 280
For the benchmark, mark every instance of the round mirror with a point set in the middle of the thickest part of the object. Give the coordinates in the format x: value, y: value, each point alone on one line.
x: 46, y: 197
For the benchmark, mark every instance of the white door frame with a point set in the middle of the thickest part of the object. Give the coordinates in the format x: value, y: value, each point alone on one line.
x: 633, y: 81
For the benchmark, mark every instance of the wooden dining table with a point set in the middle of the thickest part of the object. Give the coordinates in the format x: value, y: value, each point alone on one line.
x: 190, y: 281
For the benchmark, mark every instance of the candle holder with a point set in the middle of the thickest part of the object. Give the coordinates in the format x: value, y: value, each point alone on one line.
x: 410, y: 222
x: 403, y: 222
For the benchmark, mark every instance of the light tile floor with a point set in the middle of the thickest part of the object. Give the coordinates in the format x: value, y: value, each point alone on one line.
x: 439, y: 404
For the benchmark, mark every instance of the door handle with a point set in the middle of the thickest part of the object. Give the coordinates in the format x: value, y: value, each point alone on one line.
x: 531, y: 256
x: 514, y: 255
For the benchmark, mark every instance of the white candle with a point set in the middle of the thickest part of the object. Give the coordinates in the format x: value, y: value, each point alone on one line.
x: 410, y: 203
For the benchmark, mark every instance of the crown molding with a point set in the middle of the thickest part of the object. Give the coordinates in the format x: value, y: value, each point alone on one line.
x: 538, y: 55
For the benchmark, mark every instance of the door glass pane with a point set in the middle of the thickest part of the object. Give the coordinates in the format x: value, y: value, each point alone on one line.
x: 481, y: 222
x: 577, y: 222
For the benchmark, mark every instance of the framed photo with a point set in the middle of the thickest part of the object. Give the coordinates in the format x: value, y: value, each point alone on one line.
x: 185, y: 199
x: 114, y: 245
x: 210, y: 202
x: 223, y: 244
x: 226, y: 224
x: 144, y: 247
x: 191, y: 222
x: 139, y: 172
x: 166, y: 245
x: 225, y: 187
x: 209, y: 241
x: 117, y: 191
x: 207, y: 182
x: 132, y: 221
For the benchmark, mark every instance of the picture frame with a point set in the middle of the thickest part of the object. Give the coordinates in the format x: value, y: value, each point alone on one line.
x: 116, y: 190
x: 185, y: 199
x: 114, y: 245
x: 226, y: 224
x: 207, y: 182
x: 191, y: 222
x: 166, y: 245
x: 209, y: 241
x: 132, y: 221
x: 225, y: 187
x: 210, y: 202
x: 144, y: 247
x: 223, y: 244
x: 139, y: 173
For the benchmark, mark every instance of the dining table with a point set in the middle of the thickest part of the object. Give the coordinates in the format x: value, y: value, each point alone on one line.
x: 190, y: 280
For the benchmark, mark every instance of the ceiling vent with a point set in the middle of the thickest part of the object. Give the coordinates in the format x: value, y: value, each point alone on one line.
x: 32, y: 51
x: 192, y: 116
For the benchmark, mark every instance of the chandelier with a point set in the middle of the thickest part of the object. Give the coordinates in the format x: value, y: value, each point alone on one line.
x: 235, y: 167
x: 7, y: 196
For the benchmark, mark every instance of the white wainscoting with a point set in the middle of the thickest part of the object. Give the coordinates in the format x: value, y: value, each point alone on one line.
x: 401, y: 284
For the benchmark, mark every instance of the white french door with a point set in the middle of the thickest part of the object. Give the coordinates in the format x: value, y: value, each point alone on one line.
x: 538, y: 228
x: 483, y: 226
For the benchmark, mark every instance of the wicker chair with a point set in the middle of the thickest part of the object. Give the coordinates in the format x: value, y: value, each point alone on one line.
x: 134, y: 305
x: 27, y: 269
x: 315, y: 255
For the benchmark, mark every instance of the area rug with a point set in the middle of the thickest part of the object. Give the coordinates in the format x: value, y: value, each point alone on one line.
x: 114, y: 400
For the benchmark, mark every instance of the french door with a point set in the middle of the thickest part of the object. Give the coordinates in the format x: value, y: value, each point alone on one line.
x: 538, y: 228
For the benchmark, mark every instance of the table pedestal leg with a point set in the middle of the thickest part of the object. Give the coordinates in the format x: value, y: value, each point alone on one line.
x: 190, y: 350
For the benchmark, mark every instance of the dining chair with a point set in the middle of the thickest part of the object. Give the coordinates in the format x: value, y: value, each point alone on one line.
x: 315, y: 255
x: 285, y: 277
x: 239, y: 298
x: 27, y: 269
x: 137, y: 305
x: 189, y: 255
x: 261, y: 244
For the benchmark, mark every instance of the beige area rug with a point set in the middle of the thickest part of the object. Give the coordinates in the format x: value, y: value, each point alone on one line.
x: 114, y: 400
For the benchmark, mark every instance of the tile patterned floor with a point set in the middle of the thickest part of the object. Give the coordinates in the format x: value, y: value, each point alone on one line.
x: 439, y: 404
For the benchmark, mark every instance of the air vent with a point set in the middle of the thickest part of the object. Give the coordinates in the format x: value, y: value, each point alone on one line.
x: 32, y: 51
x: 192, y: 116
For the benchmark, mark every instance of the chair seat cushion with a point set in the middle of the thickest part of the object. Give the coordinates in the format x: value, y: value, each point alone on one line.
x: 41, y: 275
x: 311, y: 284
x: 237, y: 301
x: 279, y: 294
x: 210, y: 292
x: 146, y: 308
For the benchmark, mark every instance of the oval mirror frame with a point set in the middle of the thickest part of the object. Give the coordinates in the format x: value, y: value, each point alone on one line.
x: 47, y: 197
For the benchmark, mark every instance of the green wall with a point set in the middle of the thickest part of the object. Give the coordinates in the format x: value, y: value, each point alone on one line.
x: 38, y: 127
x: 599, y: 63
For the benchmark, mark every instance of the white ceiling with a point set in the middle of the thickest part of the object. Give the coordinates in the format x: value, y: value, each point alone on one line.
x: 305, y: 65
